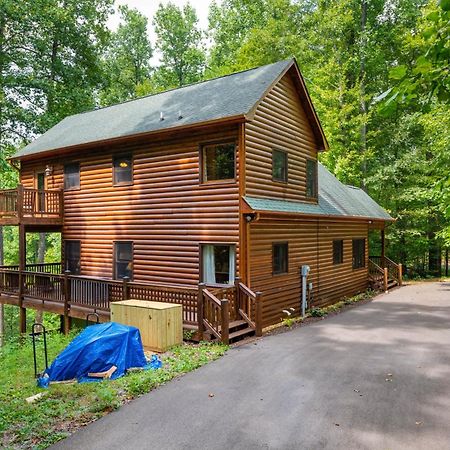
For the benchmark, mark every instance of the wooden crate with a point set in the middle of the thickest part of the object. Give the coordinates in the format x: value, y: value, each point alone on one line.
x: 160, y: 324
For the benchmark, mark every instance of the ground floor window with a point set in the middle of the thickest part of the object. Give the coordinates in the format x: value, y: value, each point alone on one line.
x: 123, y: 260
x: 219, y: 263
x: 72, y: 253
x: 338, y: 251
x: 280, y: 258
x: 359, y: 253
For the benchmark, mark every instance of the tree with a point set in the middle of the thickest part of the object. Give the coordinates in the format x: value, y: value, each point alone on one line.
x: 127, y: 60
x: 180, y: 44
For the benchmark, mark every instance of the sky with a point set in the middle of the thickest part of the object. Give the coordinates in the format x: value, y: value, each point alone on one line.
x: 149, y: 7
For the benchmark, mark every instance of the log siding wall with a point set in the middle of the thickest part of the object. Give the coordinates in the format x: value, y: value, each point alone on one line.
x: 279, y: 123
x: 310, y: 243
x: 167, y: 213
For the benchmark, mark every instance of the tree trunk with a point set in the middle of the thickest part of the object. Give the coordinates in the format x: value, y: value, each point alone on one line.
x: 362, y: 93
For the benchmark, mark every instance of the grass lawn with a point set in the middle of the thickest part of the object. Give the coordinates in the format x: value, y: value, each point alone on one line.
x: 66, y: 407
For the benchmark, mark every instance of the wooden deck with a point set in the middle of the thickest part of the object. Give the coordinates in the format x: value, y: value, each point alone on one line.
x: 208, y: 309
x: 23, y: 206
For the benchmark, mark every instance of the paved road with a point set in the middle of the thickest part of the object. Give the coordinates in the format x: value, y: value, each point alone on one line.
x: 374, y: 377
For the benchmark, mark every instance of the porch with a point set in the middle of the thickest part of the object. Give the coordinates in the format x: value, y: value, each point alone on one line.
x: 24, y: 206
x: 225, y: 313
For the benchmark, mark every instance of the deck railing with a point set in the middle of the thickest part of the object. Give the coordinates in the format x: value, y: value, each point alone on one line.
x: 210, y: 307
x: 28, y: 203
x: 91, y: 292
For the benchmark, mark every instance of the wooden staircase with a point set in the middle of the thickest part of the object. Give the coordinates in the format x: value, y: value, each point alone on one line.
x: 384, y: 273
x: 229, y: 315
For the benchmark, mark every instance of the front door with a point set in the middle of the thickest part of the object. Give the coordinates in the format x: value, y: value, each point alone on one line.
x: 41, y: 185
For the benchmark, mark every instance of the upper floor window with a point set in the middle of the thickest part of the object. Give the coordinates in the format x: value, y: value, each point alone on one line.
x: 280, y: 258
x: 72, y: 176
x: 218, y: 162
x: 123, y: 259
x: 338, y: 251
x: 218, y: 263
x: 359, y: 253
x: 279, y: 166
x: 122, y: 169
x: 311, y: 178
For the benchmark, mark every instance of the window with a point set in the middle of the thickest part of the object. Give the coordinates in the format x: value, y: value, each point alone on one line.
x: 338, y: 251
x: 122, y: 170
x: 72, y: 252
x: 311, y: 178
x: 359, y: 253
x: 218, y: 162
x: 279, y: 166
x: 219, y: 262
x: 123, y: 260
x: 280, y: 258
x: 72, y: 176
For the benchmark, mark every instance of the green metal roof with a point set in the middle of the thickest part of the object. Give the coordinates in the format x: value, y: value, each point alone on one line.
x: 220, y: 98
x: 335, y: 199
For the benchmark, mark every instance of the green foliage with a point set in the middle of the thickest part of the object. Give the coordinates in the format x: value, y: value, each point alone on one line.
x: 66, y: 407
x: 180, y: 43
x: 127, y: 59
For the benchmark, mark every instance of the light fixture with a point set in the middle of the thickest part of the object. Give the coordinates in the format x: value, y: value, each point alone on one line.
x: 48, y: 171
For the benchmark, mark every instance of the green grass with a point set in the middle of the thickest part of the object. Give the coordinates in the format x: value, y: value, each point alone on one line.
x: 68, y: 406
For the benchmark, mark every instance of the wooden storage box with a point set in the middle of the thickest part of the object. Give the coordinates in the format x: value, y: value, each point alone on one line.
x: 160, y: 324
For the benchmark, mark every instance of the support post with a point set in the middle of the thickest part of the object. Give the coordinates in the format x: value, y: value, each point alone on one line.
x: 22, y: 266
x: 225, y: 322
x: 258, y: 319
x: 237, y: 298
x: 400, y: 274
x: 67, y: 294
x: 446, y: 262
x: 201, y: 326
x: 383, y: 245
x: 385, y: 279
x: 125, y: 288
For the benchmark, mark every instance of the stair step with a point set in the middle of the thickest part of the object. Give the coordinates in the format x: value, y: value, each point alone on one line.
x: 241, y: 334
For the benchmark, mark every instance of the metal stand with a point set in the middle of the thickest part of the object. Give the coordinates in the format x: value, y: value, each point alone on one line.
x: 33, y: 335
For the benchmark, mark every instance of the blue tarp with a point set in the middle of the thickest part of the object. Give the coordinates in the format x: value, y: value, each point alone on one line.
x: 97, y: 349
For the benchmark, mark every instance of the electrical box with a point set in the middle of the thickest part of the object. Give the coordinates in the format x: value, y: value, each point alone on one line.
x: 160, y: 324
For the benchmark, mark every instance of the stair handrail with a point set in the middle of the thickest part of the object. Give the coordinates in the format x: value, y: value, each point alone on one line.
x: 213, y: 314
x: 395, y: 271
x: 249, y: 306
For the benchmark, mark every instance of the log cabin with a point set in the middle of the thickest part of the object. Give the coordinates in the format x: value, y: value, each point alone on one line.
x: 210, y: 195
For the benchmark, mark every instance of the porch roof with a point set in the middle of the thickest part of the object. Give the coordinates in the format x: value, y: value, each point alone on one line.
x: 334, y: 199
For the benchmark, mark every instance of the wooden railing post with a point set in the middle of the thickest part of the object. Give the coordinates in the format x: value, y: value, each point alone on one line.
x: 225, y: 321
x: 126, y: 288
x: 400, y: 274
x: 237, y: 298
x: 201, y: 325
x: 258, y: 318
x: 385, y: 279
x: 20, y: 194
x: 22, y: 310
x: 67, y: 299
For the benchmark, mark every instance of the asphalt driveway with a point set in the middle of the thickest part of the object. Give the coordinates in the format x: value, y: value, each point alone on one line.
x: 374, y: 377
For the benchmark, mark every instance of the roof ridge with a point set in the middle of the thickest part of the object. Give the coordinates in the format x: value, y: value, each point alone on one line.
x: 179, y: 88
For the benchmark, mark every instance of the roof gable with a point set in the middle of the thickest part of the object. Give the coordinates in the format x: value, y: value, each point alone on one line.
x: 305, y: 101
